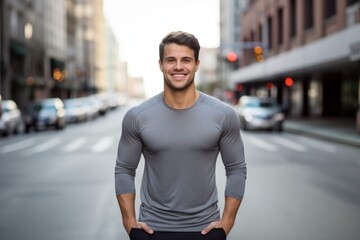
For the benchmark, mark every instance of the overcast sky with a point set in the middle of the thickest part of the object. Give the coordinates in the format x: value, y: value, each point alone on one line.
x: 141, y: 24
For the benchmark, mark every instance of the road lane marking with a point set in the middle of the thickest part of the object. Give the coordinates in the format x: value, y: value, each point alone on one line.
x: 74, y: 145
x: 44, y: 146
x: 319, y: 145
x: 261, y: 143
x: 103, y: 144
x: 289, y: 144
x: 17, y: 146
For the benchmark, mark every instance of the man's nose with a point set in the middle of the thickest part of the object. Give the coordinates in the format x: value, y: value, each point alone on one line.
x: 178, y: 65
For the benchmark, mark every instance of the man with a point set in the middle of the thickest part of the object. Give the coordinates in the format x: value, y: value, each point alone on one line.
x: 180, y: 133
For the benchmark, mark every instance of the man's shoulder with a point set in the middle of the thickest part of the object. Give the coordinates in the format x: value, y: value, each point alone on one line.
x: 216, y: 104
x: 146, y: 105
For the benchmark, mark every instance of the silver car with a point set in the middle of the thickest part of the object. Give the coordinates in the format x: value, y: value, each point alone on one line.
x: 11, y: 118
x: 44, y: 113
x: 260, y: 113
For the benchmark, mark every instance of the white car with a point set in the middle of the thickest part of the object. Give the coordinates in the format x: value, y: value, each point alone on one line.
x: 11, y: 118
x: 260, y: 113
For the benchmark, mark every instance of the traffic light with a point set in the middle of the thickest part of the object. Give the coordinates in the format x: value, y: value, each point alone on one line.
x: 259, y: 53
x: 239, y: 87
x: 58, y: 75
x: 232, y: 57
x: 289, y: 81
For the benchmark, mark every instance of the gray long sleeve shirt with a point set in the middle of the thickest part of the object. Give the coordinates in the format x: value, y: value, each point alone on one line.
x: 180, y: 147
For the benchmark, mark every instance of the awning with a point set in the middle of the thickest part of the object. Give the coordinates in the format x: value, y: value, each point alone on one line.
x: 18, y: 48
x: 55, y: 63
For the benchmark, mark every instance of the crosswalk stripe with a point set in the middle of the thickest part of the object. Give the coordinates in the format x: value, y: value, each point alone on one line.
x: 290, y: 144
x: 17, y: 146
x: 102, y: 144
x: 74, y: 145
x: 44, y: 146
x: 319, y: 145
x: 262, y: 144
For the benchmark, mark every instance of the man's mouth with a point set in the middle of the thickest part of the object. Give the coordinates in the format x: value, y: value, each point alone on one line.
x: 178, y: 76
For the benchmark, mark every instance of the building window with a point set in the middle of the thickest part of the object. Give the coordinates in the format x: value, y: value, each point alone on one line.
x: 329, y: 8
x: 308, y: 14
x: 292, y: 18
x: 260, y: 33
x: 252, y: 39
x: 280, y: 25
x: 21, y: 27
x: 269, y: 32
x: 351, y: 2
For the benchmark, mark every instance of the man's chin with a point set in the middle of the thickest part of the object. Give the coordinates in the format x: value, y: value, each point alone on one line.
x: 179, y: 86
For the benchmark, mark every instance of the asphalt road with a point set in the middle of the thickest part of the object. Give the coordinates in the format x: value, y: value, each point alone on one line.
x: 59, y: 185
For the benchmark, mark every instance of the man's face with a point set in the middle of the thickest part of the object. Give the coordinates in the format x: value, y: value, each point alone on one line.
x: 178, y: 66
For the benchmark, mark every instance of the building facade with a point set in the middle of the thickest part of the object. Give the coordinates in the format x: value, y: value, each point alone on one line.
x: 207, y: 77
x: 230, y: 41
x: 54, y: 48
x: 313, y: 45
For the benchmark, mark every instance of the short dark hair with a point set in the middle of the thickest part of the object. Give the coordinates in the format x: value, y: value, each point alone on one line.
x: 180, y: 38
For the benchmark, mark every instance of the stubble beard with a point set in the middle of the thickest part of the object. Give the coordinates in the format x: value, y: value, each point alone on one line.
x: 172, y: 87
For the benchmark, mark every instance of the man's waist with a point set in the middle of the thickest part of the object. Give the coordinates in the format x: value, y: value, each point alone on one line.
x: 168, y: 220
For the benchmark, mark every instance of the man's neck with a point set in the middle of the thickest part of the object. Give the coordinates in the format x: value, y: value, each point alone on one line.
x: 181, y: 99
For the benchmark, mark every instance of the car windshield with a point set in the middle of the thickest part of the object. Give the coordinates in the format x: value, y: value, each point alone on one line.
x: 70, y: 104
x: 38, y: 107
x: 260, y: 104
x: 4, y: 107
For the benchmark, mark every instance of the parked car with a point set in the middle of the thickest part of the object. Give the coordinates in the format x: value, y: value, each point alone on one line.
x: 260, y: 113
x: 45, y: 113
x: 11, y: 118
x: 91, y: 108
x: 75, y: 111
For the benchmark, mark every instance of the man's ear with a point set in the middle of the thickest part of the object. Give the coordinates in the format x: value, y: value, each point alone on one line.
x: 197, y: 65
x: 160, y: 65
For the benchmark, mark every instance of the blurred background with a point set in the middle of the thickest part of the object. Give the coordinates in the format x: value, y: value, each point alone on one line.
x: 305, y: 54
x: 289, y: 68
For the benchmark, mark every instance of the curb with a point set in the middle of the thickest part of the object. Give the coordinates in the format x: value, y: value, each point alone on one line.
x: 322, y: 134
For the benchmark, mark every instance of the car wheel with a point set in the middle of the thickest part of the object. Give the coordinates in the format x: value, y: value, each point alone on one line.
x: 279, y: 127
x: 243, y: 125
x: 58, y: 125
x: 18, y: 128
x: 5, y: 133
x: 27, y: 128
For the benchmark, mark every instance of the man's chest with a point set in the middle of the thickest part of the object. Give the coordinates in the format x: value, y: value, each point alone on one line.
x: 197, y: 133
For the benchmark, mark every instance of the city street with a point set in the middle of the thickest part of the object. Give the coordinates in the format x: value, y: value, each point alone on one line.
x: 58, y: 185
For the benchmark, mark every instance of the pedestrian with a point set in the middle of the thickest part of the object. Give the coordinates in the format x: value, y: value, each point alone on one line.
x: 180, y: 133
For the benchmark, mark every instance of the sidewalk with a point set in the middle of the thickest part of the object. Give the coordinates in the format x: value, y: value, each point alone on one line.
x: 336, y: 130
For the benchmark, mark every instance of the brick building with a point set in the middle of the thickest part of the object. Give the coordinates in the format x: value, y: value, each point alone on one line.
x: 315, y: 43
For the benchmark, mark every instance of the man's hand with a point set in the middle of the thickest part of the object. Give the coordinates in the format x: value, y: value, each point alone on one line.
x: 140, y: 225
x: 217, y: 224
x: 126, y: 202
x: 228, y: 218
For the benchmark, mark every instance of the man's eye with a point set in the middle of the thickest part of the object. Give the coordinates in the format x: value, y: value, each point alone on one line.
x: 170, y: 60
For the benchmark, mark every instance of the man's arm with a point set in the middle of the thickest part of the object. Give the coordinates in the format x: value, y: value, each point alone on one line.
x: 229, y: 214
x: 232, y: 154
x: 127, y: 207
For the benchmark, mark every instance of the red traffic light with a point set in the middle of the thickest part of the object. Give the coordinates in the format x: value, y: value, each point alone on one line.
x: 232, y: 57
x: 239, y: 87
x: 289, y: 81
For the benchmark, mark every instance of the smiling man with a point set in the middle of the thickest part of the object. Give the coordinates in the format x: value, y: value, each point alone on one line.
x: 180, y: 133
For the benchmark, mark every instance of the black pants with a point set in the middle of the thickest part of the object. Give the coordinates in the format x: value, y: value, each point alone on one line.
x: 140, y: 234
